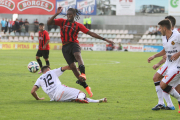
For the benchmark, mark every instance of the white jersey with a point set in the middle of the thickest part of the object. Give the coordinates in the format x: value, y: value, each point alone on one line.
x: 50, y: 81
x: 172, y: 46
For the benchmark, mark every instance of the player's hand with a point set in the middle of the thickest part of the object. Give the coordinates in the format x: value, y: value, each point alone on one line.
x: 44, y: 47
x: 59, y: 10
x: 109, y: 41
x: 156, y: 66
x: 41, y: 98
x: 150, y: 58
x: 175, y: 56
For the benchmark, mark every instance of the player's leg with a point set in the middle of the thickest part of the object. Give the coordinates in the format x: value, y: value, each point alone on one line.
x: 171, y: 76
x: 38, y: 55
x: 178, y: 88
x: 46, y: 56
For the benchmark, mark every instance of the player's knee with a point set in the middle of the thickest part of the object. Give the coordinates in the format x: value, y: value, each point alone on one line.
x: 163, y: 85
x: 72, y: 66
x: 81, y: 95
x: 157, y: 78
x: 46, y: 59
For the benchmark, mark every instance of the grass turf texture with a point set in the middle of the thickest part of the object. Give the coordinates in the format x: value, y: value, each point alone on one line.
x: 128, y: 86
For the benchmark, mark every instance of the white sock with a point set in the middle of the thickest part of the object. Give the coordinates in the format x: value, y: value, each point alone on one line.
x: 175, y: 94
x: 159, y: 92
x: 168, y: 99
x: 93, y: 101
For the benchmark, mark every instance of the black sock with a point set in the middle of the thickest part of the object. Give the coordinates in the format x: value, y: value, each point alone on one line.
x: 40, y: 63
x: 82, y: 68
x: 47, y: 63
x: 84, y: 84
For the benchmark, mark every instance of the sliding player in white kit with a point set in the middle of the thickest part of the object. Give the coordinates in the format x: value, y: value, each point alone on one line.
x: 160, y: 74
x: 52, y: 86
x: 172, y: 50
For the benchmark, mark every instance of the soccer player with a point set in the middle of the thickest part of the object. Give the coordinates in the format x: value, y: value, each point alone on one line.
x: 52, y: 86
x: 43, y: 46
x: 172, y: 50
x: 160, y: 74
x: 71, y: 49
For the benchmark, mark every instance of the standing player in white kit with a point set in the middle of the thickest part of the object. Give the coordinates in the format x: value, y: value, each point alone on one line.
x: 52, y: 86
x: 172, y: 50
x: 161, y: 73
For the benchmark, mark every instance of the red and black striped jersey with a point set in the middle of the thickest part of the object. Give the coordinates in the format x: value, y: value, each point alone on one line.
x: 43, y: 38
x: 69, y: 31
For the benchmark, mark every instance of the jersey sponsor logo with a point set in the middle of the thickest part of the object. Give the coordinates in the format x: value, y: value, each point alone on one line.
x: 42, y: 4
x: 165, y: 76
x: 172, y: 43
x: 9, y: 4
x: 172, y: 51
x: 40, y: 38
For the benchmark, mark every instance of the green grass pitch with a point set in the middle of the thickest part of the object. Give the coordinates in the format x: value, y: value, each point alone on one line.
x: 125, y: 78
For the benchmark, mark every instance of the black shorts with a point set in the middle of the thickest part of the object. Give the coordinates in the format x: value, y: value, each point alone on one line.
x: 68, y: 51
x: 44, y: 53
x: 3, y: 28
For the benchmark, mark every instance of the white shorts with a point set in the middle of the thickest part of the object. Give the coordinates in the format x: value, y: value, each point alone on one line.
x: 163, y: 69
x: 65, y: 93
x: 172, y: 77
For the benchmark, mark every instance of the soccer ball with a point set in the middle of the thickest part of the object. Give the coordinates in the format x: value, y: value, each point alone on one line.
x: 33, y: 66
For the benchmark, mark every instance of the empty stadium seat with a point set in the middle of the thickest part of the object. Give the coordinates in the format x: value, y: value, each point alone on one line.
x: 141, y: 41
x: 52, y: 30
x: 125, y: 31
x: 96, y: 31
x: 27, y: 34
x: 57, y: 30
x: 104, y: 31
x: 109, y: 36
x: 149, y: 41
x: 11, y: 38
x: 55, y: 35
x: 117, y: 31
x: 100, y: 31
x: 21, y: 39
x: 130, y: 32
x: 158, y: 37
x: 122, y: 36
x: 108, y: 31
x: 159, y: 41
x: 50, y: 34
x: 153, y: 37
x: 30, y: 39
x: 134, y: 32
x: 12, y: 34
x: 118, y: 36
x: 36, y: 34
x: 22, y: 34
x: 144, y: 37
x: 26, y: 39
x: 121, y: 32
x: 36, y: 39
x: 113, y: 31
x: 114, y: 36
x: 148, y: 37
x: 154, y: 41
x: 16, y: 39
x: 31, y: 33
x: 145, y: 41
x: 17, y: 34
x: 131, y: 36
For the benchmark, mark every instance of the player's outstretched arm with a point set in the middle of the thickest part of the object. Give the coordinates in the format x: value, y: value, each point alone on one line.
x: 157, y: 55
x: 99, y: 37
x: 34, y: 94
x: 66, y: 68
x: 51, y: 20
x: 159, y: 63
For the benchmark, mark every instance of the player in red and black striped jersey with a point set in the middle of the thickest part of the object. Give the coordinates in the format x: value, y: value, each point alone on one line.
x: 71, y: 49
x: 43, y: 46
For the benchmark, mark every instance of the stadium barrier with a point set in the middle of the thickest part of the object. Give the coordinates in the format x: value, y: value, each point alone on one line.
x: 18, y: 45
x: 150, y: 48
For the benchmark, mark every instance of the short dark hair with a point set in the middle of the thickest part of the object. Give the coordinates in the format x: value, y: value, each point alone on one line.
x: 166, y: 23
x: 41, y: 24
x: 44, y: 68
x: 172, y: 19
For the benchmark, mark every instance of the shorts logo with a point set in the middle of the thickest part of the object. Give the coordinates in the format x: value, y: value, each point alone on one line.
x: 172, y: 43
x: 42, y: 4
x: 9, y: 4
x: 165, y: 76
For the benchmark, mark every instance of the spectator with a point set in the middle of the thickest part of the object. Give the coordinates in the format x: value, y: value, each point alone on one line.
x: 120, y: 46
x: 155, y: 30
x: 151, y: 30
x: 89, y: 21
x: 17, y: 26
x: 26, y: 24
x: 85, y: 21
x: 6, y: 25
x: 10, y: 26
x: 36, y: 25
x: 110, y: 47
x: 159, y: 32
x: 3, y: 22
x: 13, y: 26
